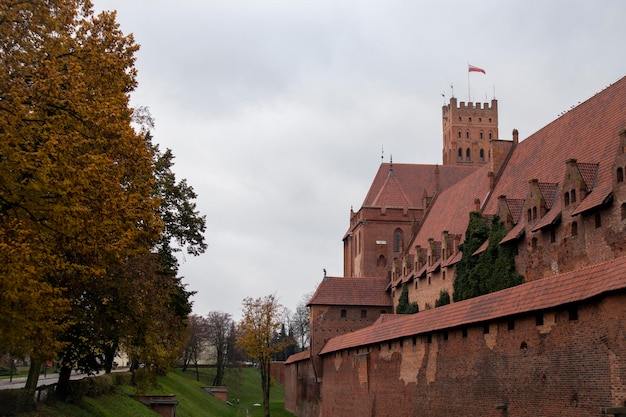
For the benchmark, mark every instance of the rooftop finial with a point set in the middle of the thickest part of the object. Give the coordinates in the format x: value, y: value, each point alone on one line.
x: 382, y: 153
x: 391, y: 165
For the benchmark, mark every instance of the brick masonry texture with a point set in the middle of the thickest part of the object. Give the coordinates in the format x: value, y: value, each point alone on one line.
x: 555, y: 345
x: 574, y: 364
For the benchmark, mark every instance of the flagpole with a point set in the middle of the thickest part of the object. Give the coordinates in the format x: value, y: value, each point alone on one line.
x: 468, y: 84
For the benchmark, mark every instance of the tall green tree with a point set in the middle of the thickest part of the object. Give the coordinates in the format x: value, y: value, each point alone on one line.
x: 260, y: 322
x: 73, y: 173
x: 84, y: 197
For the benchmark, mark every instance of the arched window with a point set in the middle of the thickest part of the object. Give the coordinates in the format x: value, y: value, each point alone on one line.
x: 574, y: 229
x: 490, y: 136
x: 397, y: 240
x: 482, y: 154
x: 459, y: 135
x: 529, y: 215
x: 481, y: 135
x: 467, y: 135
x: 468, y: 155
x: 620, y: 174
x: 534, y: 213
x: 573, y: 196
x: 381, y: 261
x: 623, y: 211
x: 460, y: 154
x: 567, y: 199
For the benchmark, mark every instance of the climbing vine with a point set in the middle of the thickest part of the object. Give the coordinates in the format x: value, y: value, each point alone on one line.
x: 491, y: 270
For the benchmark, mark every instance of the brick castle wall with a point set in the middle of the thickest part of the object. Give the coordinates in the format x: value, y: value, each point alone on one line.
x: 570, y: 361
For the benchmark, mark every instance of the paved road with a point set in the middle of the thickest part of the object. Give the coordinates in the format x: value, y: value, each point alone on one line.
x: 48, y: 379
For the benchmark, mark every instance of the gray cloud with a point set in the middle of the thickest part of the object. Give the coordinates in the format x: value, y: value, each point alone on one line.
x: 277, y: 110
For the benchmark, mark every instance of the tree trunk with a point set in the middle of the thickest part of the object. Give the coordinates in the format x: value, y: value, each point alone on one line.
x: 186, y: 359
x: 265, y: 386
x: 195, y: 360
x: 109, y: 356
x: 219, y: 367
x: 33, y: 374
x: 63, y: 386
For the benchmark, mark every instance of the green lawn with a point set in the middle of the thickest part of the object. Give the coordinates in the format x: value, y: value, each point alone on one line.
x: 244, y: 390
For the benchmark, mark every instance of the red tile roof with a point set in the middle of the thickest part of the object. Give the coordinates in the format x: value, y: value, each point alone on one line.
x: 453, y: 259
x: 550, y: 218
x: 392, y: 195
x: 450, y: 210
x: 538, y: 295
x: 588, y: 172
x: 515, y: 233
x: 549, y: 192
x: 352, y: 292
x: 588, y: 132
x: 516, y: 205
x: 297, y: 357
x: 412, y: 180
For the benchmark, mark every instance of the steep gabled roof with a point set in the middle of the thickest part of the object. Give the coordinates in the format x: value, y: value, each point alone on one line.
x: 516, y: 205
x: 352, y: 292
x: 413, y: 180
x: 588, y: 172
x: 450, y: 211
x: 549, y: 192
x: 538, y: 295
x: 391, y: 194
x: 587, y: 133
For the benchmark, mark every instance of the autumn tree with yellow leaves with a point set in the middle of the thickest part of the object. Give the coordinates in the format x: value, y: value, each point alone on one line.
x: 260, y: 323
x: 82, y: 224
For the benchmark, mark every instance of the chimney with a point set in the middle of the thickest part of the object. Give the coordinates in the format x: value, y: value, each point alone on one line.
x: 492, y: 182
x: 515, y: 136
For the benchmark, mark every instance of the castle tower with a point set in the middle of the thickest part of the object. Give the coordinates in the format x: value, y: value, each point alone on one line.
x: 467, y: 130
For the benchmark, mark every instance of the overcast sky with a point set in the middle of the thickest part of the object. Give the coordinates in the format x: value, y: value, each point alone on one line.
x: 278, y: 112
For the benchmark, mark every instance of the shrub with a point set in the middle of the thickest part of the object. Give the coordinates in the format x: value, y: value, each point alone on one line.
x: 15, y: 401
x: 444, y: 298
x: 91, y: 387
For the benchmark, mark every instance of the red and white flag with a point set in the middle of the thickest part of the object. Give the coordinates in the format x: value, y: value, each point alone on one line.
x: 472, y: 68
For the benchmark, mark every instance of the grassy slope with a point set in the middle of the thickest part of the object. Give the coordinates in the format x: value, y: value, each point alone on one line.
x: 243, y: 384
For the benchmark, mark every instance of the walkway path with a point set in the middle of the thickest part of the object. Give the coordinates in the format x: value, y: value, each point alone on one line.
x: 48, y: 379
